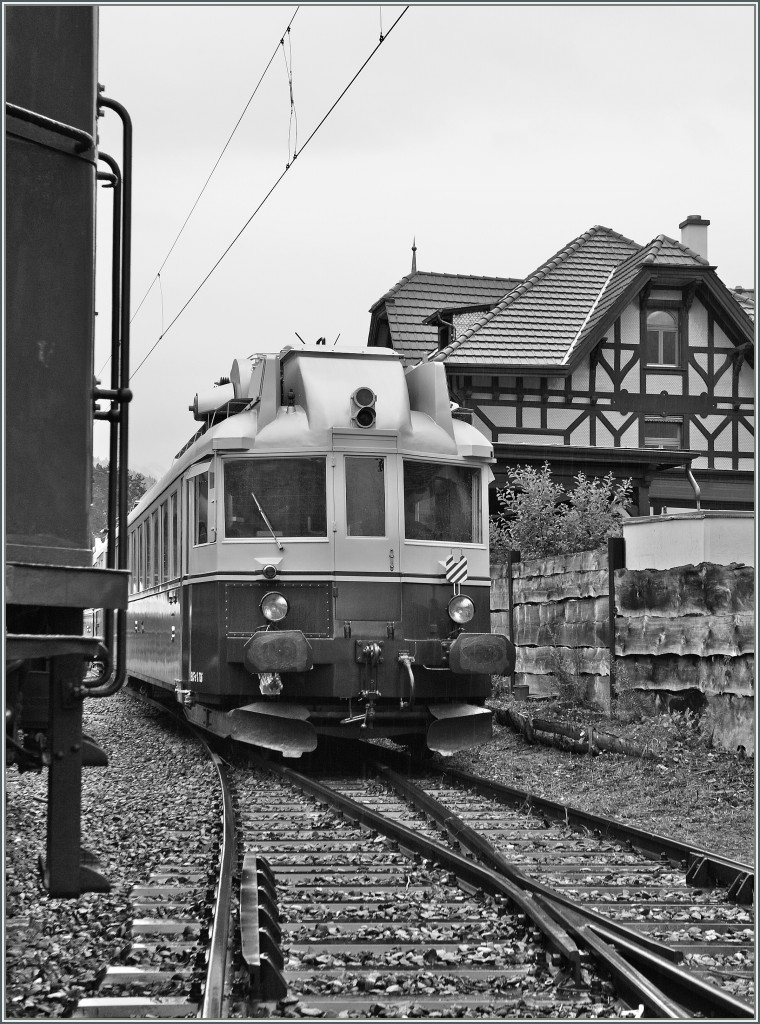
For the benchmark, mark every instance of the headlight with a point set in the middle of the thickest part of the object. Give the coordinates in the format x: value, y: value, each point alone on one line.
x: 274, y: 607
x: 461, y: 609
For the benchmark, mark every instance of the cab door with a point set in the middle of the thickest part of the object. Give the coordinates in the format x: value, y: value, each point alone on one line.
x: 367, y: 566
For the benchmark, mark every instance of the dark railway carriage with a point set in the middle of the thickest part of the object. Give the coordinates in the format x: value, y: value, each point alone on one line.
x: 52, y: 103
x: 316, y: 562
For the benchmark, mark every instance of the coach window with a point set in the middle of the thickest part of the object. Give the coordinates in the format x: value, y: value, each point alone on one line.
x: 164, y: 541
x: 200, y: 504
x: 174, y: 568
x: 442, y: 503
x: 148, y: 553
x: 156, y: 533
x: 288, y: 495
x: 133, y: 562
x: 130, y: 563
x: 365, y: 496
x: 140, y: 557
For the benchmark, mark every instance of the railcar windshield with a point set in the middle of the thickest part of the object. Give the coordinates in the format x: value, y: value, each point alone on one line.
x: 442, y: 503
x: 290, y: 492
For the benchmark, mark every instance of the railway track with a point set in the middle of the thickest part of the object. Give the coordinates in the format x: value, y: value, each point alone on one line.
x: 386, y: 889
x: 364, y: 900
x: 341, y: 920
x: 175, y: 964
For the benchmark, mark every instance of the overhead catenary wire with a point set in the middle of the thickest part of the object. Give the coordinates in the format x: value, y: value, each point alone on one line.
x: 268, y: 194
x: 293, y: 112
x: 156, y: 278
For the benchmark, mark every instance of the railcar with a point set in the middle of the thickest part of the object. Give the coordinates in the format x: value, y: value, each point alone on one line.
x: 315, y: 564
x: 52, y: 171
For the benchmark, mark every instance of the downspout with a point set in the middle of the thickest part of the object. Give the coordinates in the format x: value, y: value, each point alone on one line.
x: 694, y: 484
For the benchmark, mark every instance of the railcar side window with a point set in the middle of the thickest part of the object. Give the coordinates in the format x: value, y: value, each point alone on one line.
x: 442, y: 503
x: 200, y: 492
x: 141, y: 557
x: 148, y: 553
x: 175, y: 536
x: 155, y: 540
x: 291, y: 494
x: 131, y: 561
x: 365, y: 496
x: 164, y: 541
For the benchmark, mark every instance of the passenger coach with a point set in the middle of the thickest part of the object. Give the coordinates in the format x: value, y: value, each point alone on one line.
x: 316, y: 561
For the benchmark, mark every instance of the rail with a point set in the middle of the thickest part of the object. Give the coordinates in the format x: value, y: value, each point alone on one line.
x: 644, y: 968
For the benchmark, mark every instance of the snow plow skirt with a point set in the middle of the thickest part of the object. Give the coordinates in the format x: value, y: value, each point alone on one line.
x: 457, y: 727
x: 277, y: 727
x: 282, y: 727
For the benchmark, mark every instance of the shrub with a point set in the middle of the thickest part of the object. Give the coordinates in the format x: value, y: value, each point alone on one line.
x: 540, y: 518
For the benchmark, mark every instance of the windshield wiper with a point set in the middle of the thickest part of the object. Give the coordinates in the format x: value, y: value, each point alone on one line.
x: 269, y: 525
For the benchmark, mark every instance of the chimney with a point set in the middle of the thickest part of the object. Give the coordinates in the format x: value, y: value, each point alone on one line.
x: 694, y: 233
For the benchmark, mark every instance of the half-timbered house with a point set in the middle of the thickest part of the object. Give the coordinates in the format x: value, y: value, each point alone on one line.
x: 611, y: 356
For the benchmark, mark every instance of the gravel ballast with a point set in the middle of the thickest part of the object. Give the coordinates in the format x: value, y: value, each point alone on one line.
x: 157, y: 782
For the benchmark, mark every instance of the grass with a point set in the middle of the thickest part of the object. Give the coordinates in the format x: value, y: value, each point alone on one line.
x: 686, y: 789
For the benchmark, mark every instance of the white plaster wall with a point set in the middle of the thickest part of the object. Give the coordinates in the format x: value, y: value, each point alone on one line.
x: 560, y: 419
x: 580, y: 378
x: 746, y: 439
x: 632, y: 379
x: 721, y: 339
x: 688, y: 538
x: 531, y: 417
x: 615, y: 419
x: 697, y: 384
x: 630, y: 438
x: 710, y: 423
x: 698, y: 325
x: 582, y: 434
x: 603, y: 381
x: 482, y: 427
x: 723, y: 440
x: 724, y: 386
x: 502, y: 415
x: 629, y: 324
x: 659, y: 382
x: 746, y: 381
x: 604, y: 438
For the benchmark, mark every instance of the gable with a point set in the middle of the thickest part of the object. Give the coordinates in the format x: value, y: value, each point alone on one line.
x: 417, y: 296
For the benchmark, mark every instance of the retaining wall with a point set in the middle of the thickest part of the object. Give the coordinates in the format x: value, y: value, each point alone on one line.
x: 666, y: 631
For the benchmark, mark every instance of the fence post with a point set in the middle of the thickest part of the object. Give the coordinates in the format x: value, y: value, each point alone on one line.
x: 513, y: 557
x: 615, y: 560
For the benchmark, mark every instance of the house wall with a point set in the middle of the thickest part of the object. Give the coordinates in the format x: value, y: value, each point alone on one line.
x: 611, y: 393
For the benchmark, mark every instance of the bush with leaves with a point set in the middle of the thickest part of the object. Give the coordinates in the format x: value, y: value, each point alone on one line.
x: 540, y: 518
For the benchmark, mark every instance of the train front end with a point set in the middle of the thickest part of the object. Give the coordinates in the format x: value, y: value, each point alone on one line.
x: 337, y: 577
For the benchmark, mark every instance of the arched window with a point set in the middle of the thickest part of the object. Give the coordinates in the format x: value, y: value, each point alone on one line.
x: 662, y: 339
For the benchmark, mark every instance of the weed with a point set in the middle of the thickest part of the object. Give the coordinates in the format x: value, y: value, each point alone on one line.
x: 500, y: 687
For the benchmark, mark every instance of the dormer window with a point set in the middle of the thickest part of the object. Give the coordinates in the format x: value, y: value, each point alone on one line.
x: 662, y: 346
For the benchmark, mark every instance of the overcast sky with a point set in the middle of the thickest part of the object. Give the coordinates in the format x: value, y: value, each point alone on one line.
x: 492, y: 134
